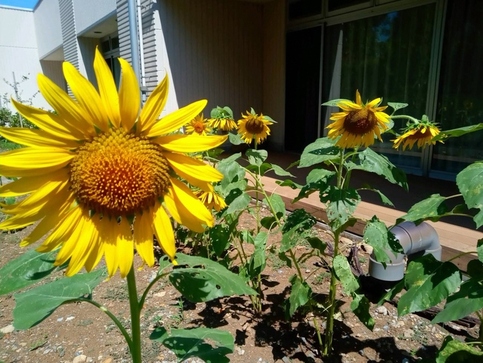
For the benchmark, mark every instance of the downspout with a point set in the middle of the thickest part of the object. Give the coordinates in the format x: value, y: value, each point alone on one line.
x: 141, y: 51
x: 133, y: 33
x: 413, y: 239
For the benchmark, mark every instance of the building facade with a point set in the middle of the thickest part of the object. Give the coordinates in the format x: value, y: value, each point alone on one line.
x: 281, y: 57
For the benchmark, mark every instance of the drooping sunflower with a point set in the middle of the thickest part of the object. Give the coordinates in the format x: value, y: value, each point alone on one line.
x: 221, y: 119
x: 198, y: 125
x: 359, y: 123
x: 421, y: 134
x: 211, y: 200
x: 254, y: 127
x: 102, y: 176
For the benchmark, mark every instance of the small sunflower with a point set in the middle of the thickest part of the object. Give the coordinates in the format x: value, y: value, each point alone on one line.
x: 421, y: 133
x: 102, y: 176
x: 198, y: 125
x: 222, y: 119
x: 359, y: 123
x: 254, y: 127
x: 211, y: 200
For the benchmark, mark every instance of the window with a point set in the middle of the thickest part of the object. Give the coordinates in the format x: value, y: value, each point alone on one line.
x: 110, y: 51
x: 460, y: 96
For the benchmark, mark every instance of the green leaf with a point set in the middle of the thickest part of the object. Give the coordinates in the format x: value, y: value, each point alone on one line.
x: 335, y: 102
x: 235, y: 139
x: 341, y: 205
x: 299, y: 295
x: 466, y: 301
x: 360, y: 306
x: 479, y: 249
x: 320, y: 151
x: 237, y: 201
x: 35, y: 305
x: 381, y: 239
x: 460, y: 131
x: 298, y: 222
x: 231, y: 170
x: 280, y: 171
x: 470, y: 184
x: 316, y: 180
x: 200, y: 279
x: 373, y: 162
x: 210, y: 345
x: 25, y: 270
x: 256, y: 157
x: 220, y: 238
x: 289, y: 183
x: 317, y: 243
x: 258, y: 260
x: 277, y: 203
x: 432, y: 208
x: 397, y: 105
x: 344, y: 274
x: 455, y: 351
x: 384, y: 199
x: 428, y: 282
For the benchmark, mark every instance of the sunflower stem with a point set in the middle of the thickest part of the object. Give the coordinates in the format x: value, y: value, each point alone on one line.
x: 135, y: 310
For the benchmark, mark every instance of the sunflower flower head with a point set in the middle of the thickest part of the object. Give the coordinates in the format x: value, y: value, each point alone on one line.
x: 198, y: 125
x: 101, y: 176
x: 358, y: 124
x: 254, y: 127
x: 221, y: 119
x: 421, y: 133
x: 211, y: 200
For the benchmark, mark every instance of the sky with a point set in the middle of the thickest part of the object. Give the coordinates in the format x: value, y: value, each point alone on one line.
x: 27, y: 4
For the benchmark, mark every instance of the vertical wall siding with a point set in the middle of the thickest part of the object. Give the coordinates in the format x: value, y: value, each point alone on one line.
x: 123, y: 30
x: 149, y: 45
x: 69, y: 38
x: 215, y: 51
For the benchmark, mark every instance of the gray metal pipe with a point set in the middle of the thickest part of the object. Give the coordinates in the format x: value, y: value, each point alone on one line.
x: 413, y: 238
x: 134, y: 37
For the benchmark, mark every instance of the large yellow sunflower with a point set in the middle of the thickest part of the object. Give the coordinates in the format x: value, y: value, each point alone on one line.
x: 254, y: 127
x: 198, y: 125
x: 422, y: 134
x: 359, y: 123
x: 102, y: 176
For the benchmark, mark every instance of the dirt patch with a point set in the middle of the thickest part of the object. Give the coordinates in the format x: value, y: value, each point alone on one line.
x: 82, y: 333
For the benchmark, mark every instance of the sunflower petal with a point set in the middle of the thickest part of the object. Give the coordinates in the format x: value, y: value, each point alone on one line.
x: 87, y: 96
x: 125, y: 248
x: 192, y: 213
x: 33, y: 161
x: 107, y: 89
x: 154, y: 105
x: 164, y: 232
x: 129, y: 96
x: 188, y: 166
x: 143, y: 237
x: 65, y: 106
x: 190, y: 143
x: 24, y: 186
x: 62, y: 231
x: 175, y: 120
x: 35, y: 138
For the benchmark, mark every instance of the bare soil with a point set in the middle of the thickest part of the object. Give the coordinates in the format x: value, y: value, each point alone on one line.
x: 82, y: 333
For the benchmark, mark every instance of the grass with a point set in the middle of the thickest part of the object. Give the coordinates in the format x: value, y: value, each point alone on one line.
x: 6, y: 145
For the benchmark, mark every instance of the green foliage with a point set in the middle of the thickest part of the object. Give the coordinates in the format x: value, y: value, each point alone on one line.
x: 200, y: 279
x: 210, y: 345
x: 36, y: 304
x: 470, y: 184
x: 377, y: 235
x: 27, y: 269
x: 454, y: 351
x: 300, y: 294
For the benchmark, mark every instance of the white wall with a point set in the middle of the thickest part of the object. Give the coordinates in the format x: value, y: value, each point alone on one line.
x: 91, y: 12
x: 19, y: 55
x: 47, y: 28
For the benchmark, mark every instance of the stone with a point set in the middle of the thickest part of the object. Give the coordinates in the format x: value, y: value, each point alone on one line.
x: 80, y: 359
x: 408, y: 334
x: 382, y: 310
x: 7, y: 329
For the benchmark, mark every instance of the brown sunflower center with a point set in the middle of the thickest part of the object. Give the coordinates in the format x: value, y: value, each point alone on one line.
x: 254, y: 126
x: 119, y: 174
x: 199, y: 127
x: 360, y: 122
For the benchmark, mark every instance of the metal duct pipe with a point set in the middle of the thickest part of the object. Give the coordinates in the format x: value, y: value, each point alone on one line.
x: 134, y: 37
x: 413, y: 238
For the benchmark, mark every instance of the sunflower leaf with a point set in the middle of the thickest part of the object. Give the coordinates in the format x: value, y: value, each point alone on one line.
x: 201, y: 279
x: 397, y: 105
x: 35, y: 305
x: 460, y: 131
x: 256, y: 157
x: 455, y: 351
x: 470, y: 184
x: 320, y: 151
x: 27, y: 269
x: 341, y: 205
x: 210, y: 345
x: 432, y: 208
x: 373, y: 162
